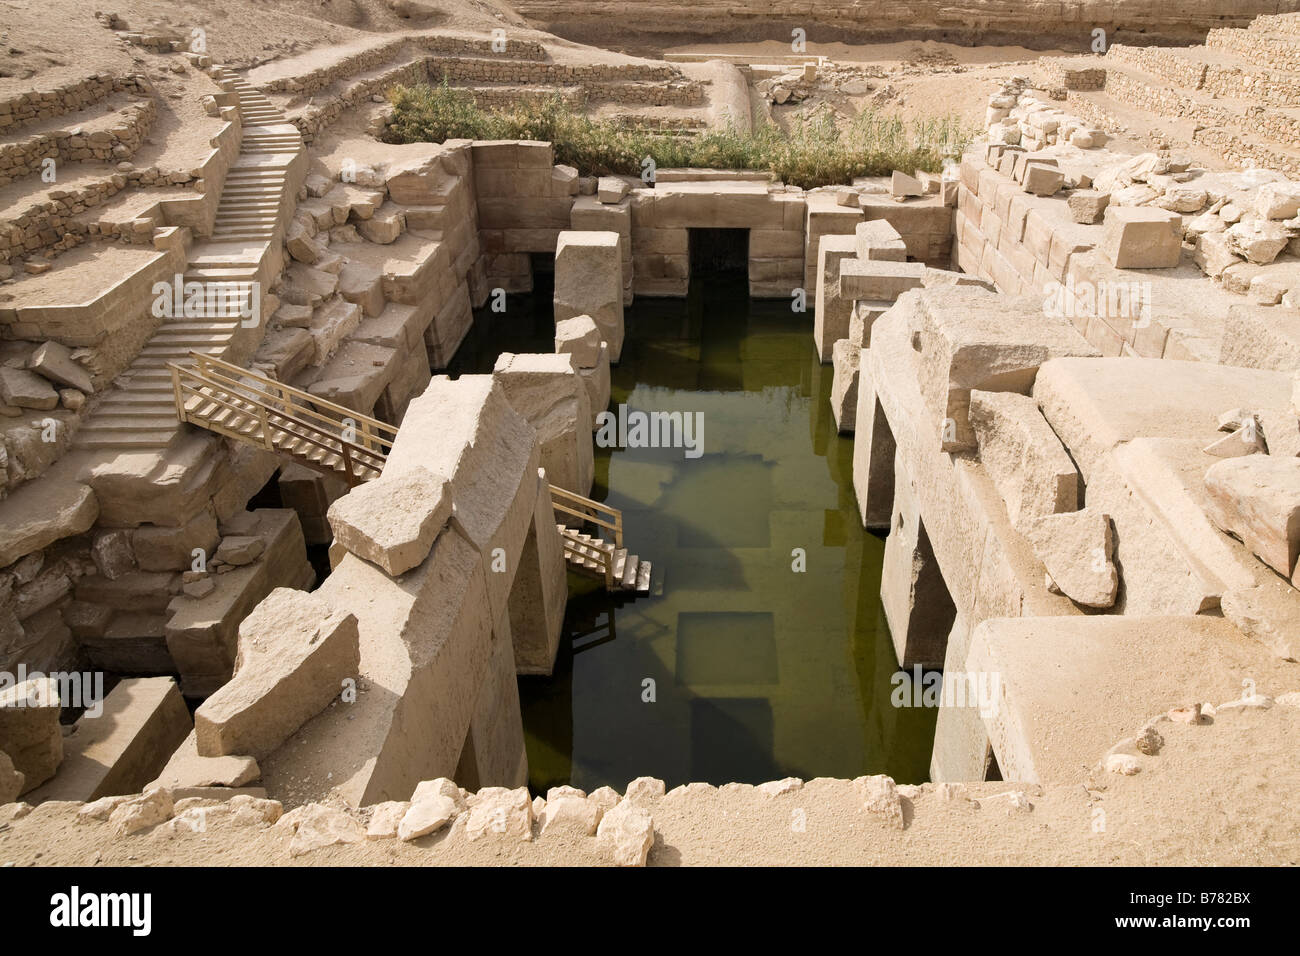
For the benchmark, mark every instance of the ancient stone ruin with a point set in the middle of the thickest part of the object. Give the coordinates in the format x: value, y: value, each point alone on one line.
x: 294, y: 502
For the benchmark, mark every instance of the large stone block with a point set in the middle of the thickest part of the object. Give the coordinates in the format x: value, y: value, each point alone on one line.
x: 1139, y: 237
x: 393, y: 521
x: 1022, y: 454
x: 124, y: 746
x: 295, y: 651
x: 547, y: 392
x: 29, y: 729
x: 847, y: 360
x: 589, y: 281
x: 878, y: 239
x: 879, y: 279
x: 1257, y: 499
x: 832, y: 311
x: 969, y: 338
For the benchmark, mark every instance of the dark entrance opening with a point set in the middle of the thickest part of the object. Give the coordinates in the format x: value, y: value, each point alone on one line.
x: 718, y: 251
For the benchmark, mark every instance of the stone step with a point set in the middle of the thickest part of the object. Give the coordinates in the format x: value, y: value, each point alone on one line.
x: 628, y: 578
x: 643, y: 578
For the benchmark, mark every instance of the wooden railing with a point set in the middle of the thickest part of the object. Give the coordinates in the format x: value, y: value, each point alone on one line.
x: 281, y: 413
x: 585, y: 552
x: 576, y: 506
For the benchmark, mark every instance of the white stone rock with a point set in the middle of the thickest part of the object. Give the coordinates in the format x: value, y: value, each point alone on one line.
x: 626, y: 834
x: 1077, y: 547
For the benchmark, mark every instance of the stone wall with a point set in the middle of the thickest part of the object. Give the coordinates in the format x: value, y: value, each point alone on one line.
x: 1037, y: 24
x: 24, y: 108
x: 117, y: 139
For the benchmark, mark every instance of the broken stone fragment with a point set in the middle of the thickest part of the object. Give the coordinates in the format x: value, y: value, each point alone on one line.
x: 570, y: 813
x: 425, y: 816
x: 1076, y: 547
x: 1258, y: 241
x: 24, y: 389
x: 1242, y: 441
x: 1149, y: 741
x: 611, y: 189
x: 385, y: 819
x: 1027, y: 462
x: 54, y: 361
x: 626, y: 834
x: 1188, y: 714
x: 1268, y: 613
x: 1123, y: 764
x: 139, y: 813
x: 240, y: 549
x: 295, y: 651
x: 321, y: 826
x: 501, y: 813
x: 393, y: 521
x: 1257, y: 500
x: 880, y: 797
x: 902, y: 185
x: 1281, y: 430
x: 644, y: 790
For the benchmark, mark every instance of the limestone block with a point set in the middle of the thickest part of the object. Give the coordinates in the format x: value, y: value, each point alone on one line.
x: 832, y: 311
x: 1257, y: 499
x: 1025, y: 459
x: 589, y: 281
x: 186, y: 770
x: 1042, y: 179
x: 172, y: 549
x: 901, y: 184
x: 142, y: 812
x: 877, y: 239
x: 580, y: 338
x: 322, y: 826
x: 597, y: 382
x: 1087, y: 205
x: 385, y: 225
x: 611, y: 189
x: 294, y: 653
x: 393, y: 521
x: 427, y: 815
x: 362, y: 284
x: 1281, y: 428
x: 1278, y: 200
x: 23, y: 389
x: 969, y: 338
x: 880, y: 280
x: 123, y: 748
x: 1076, y: 549
x: 1258, y: 241
x: 422, y: 181
x: 54, y: 361
x: 1142, y: 238
x: 846, y: 361
x: 1268, y: 613
x: 571, y: 814
x: 29, y: 729
x: 111, y: 552
x: 546, y: 391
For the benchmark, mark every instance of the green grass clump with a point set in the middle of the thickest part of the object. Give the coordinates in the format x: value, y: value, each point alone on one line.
x: 816, y: 152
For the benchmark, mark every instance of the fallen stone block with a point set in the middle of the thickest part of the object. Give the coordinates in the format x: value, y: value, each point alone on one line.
x: 29, y: 729
x: 124, y: 747
x: 1025, y: 459
x: 902, y: 185
x: 142, y: 812
x: 393, y: 521
x: 877, y: 239
x: 23, y: 389
x: 1142, y: 238
x: 54, y: 361
x: 1257, y: 499
x: 321, y: 826
x: 1087, y: 206
x: 187, y: 770
x: 1076, y: 549
x: 294, y: 654
x: 1268, y: 613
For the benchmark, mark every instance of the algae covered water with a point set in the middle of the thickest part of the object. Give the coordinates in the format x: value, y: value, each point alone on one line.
x: 762, y: 651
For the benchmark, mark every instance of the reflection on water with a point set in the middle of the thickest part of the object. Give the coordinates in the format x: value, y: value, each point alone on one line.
x: 737, y: 667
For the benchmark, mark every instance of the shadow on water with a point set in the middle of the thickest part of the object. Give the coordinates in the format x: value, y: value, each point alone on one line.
x: 737, y: 667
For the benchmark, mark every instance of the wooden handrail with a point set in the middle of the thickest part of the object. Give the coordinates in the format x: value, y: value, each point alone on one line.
x: 613, y: 523
x: 206, y: 361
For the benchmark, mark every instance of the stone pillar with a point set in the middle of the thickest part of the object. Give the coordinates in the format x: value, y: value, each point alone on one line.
x: 589, y: 281
x: 961, y: 742
x: 831, y: 318
x: 540, y: 590
x: 873, y: 456
x: 547, y: 391
x: 913, y: 594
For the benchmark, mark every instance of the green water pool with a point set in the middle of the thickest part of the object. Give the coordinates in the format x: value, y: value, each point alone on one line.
x: 737, y: 667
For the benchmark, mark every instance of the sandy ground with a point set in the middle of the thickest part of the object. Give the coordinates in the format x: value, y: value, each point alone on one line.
x: 1220, y: 793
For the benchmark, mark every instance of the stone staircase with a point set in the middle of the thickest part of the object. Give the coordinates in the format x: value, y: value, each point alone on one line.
x: 592, y: 556
x: 140, y: 414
